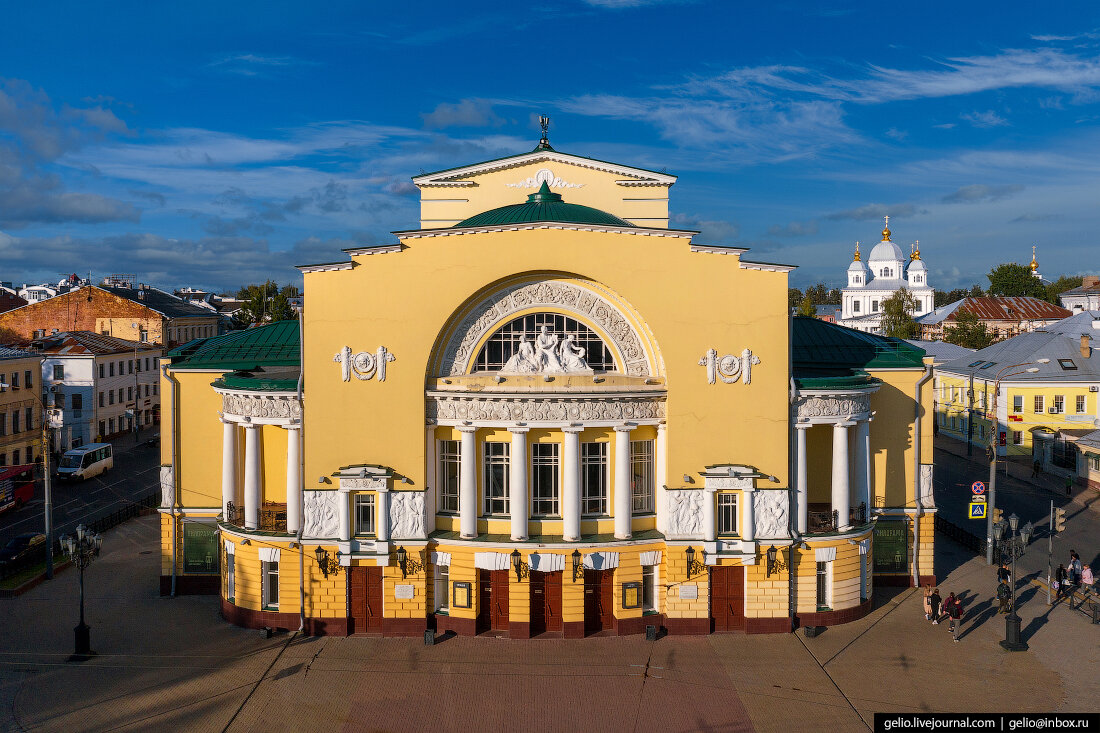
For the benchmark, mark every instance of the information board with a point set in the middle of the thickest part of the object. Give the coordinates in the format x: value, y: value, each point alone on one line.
x: 890, y: 546
x: 200, y: 548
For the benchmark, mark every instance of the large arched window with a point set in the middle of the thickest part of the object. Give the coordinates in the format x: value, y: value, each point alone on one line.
x: 506, y: 341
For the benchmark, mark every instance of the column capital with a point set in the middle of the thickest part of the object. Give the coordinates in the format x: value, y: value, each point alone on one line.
x: 467, y: 428
x: 845, y: 424
x: 293, y: 426
x: 249, y: 425
x: 519, y: 429
x: 574, y: 429
x: 803, y: 425
x: 625, y: 428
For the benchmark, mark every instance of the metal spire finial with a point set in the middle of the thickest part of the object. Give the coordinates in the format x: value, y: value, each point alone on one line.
x: 544, y: 123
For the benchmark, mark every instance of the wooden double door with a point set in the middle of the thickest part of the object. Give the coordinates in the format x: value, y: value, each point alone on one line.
x: 727, y: 598
x: 546, y: 602
x: 492, y: 610
x: 599, y: 601
x: 365, y: 602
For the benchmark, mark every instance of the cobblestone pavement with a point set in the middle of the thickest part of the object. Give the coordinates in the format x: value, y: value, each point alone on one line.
x: 175, y: 665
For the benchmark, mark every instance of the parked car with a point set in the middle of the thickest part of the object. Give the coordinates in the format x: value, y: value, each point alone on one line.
x: 21, y: 546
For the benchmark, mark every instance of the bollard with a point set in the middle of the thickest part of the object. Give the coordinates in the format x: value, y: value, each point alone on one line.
x: 429, y: 637
x: 809, y: 631
x: 650, y: 633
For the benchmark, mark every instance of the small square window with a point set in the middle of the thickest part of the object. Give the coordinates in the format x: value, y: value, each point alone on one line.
x: 1067, y: 364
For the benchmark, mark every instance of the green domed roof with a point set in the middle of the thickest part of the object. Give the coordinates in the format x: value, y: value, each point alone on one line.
x: 544, y: 205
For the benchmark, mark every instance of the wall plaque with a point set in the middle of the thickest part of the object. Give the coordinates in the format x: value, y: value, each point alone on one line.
x: 404, y: 592
x: 689, y: 592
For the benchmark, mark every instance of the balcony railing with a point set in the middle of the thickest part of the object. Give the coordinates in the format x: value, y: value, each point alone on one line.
x: 822, y: 522
x: 272, y: 516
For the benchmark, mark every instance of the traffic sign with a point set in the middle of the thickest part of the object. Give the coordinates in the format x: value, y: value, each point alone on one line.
x: 977, y: 511
x: 978, y: 498
x: 977, y: 487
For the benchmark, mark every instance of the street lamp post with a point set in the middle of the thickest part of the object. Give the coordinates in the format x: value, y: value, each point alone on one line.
x: 82, y: 549
x: 994, y: 430
x: 1017, y: 544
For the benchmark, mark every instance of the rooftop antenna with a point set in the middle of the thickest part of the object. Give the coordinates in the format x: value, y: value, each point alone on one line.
x: 544, y: 123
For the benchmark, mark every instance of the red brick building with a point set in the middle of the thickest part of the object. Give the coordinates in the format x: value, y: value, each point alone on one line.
x: 1003, y: 316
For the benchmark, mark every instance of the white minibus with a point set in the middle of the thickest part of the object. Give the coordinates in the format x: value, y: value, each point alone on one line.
x: 86, y: 461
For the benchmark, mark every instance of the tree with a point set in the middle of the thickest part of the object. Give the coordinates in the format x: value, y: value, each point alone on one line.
x: 1060, y: 286
x: 968, y: 331
x: 290, y: 291
x: 263, y: 304
x: 897, y: 315
x: 1015, y: 280
x: 806, y: 308
x: 794, y: 298
x: 947, y: 297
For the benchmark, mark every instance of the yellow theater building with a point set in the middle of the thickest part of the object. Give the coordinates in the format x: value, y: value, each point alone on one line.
x: 545, y: 412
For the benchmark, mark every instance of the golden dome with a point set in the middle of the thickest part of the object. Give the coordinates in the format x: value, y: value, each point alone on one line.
x: 915, y: 254
x: 886, y: 230
x: 856, y: 257
x: 1034, y: 262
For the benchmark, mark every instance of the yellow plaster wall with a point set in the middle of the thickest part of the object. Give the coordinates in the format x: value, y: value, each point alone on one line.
x: 892, y: 448
x: 767, y: 597
x: 199, y: 470
x: 431, y: 278
x: 673, y: 575
x: 641, y: 205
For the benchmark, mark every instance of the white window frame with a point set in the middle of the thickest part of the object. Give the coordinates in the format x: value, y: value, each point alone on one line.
x: 1080, y: 404
x: 230, y: 576
x: 545, y: 455
x: 450, y: 454
x: 1059, y: 404
x: 270, y: 589
x: 1017, y: 403
x: 1017, y: 437
x: 1038, y: 404
x: 441, y: 589
x: 726, y: 514
x: 496, y: 455
x: 650, y: 600
x: 827, y: 573
x: 642, y: 472
x: 365, y: 503
x: 594, y: 484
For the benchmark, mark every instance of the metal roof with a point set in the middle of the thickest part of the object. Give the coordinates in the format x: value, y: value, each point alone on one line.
x: 543, y: 205
x: 276, y: 344
x: 82, y: 343
x: 821, y: 348
x: 941, y: 351
x: 158, y: 300
x: 1062, y: 349
x: 999, y: 308
x: 8, y: 353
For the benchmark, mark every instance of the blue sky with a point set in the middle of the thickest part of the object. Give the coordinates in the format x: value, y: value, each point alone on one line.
x: 210, y: 144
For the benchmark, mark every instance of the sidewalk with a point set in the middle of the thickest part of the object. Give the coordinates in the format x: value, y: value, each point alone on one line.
x: 174, y: 664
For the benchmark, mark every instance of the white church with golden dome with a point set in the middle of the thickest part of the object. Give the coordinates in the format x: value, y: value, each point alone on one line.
x: 885, y: 272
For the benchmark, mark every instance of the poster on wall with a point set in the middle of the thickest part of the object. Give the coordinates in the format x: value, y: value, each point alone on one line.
x: 200, y: 548
x: 890, y: 546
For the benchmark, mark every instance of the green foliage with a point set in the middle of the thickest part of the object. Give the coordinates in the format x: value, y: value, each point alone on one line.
x: 1061, y: 285
x: 946, y: 297
x: 806, y: 308
x: 263, y: 304
x: 1012, y: 279
x: 821, y: 294
x: 794, y: 298
x: 897, y: 315
x: 968, y: 331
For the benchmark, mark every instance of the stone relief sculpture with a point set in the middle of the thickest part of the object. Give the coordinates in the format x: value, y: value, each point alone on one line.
x: 544, y: 175
x: 571, y: 355
x: 524, y: 361
x: 364, y: 365
x: 770, y: 509
x: 546, y: 346
x: 546, y: 356
x: 167, y: 486
x: 729, y: 367
x: 839, y: 406
x: 461, y: 407
x: 407, y: 514
x: 322, y: 513
x: 261, y: 406
x: 927, y: 499
x: 685, y: 513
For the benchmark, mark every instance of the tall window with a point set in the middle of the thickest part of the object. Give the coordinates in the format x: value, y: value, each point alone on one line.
x: 496, y: 478
x: 874, y: 306
x: 28, y: 379
x: 1080, y: 404
x: 1038, y: 403
x: 1017, y: 437
x: 649, y: 586
x: 641, y: 479
x: 271, y: 584
x: 505, y: 342
x: 449, y: 471
x: 15, y: 422
x: 1017, y: 403
x: 111, y: 368
x: 101, y: 371
x: 101, y: 399
x: 58, y: 371
x: 594, y: 478
x: 15, y: 380
x: 544, y: 479
x: 727, y: 513
x: 364, y: 514
x: 442, y: 589
x: 1059, y: 403
x: 230, y: 576
x: 855, y: 306
x: 822, y: 585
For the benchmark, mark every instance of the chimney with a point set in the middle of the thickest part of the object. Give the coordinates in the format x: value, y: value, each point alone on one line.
x: 1086, y: 350
x: 141, y: 294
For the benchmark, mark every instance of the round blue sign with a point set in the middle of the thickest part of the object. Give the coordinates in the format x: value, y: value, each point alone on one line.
x: 978, y: 487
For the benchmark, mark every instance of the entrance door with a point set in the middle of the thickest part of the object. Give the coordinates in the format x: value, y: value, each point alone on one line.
x: 599, y: 601
x: 484, y: 600
x: 545, y: 602
x: 498, y: 615
x: 366, y: 600
x: 727, y: 598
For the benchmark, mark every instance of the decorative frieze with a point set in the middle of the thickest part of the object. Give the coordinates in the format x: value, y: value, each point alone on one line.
x: 167, y: 487
x: 543, y: 409
x: 840, y: 406
x: 545, y: 175
x: 729, y: 368
x: 555, y: 295
x: 685, y: 513
x: 407, y: 515
x: 363, y: 364
x: 322, y: 516
x: 771, y: 509
x: 276, y: 407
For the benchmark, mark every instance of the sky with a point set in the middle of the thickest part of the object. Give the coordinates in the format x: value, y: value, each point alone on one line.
x: 212, y: 144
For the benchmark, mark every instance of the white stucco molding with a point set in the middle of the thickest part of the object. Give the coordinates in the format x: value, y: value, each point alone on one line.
x: 685, y: 513
x: 500, y: 410
x: 260, y: 408
x: 829, y: 406
x: 771, y: 509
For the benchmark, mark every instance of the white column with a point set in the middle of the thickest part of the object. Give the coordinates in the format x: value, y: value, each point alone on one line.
x: 252, y: 478
x: 710, y: 521
x: 748, y: 517
x: 517, y: 483
x: 382, y: 515
x: 571, y: 485
x: 467, y: 483
x: 803, y: 490
x: 431, y: 494
x: 660, y: 478
x: 293, y: 478
x: 623, y: 503
x: 343, y: 514
x: 863, y: 465
x: 229, y: 465
x: 840, y: 472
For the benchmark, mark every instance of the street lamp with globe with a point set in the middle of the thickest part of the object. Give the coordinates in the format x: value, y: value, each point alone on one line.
x: 82, y: 549
x: 1017, y: 544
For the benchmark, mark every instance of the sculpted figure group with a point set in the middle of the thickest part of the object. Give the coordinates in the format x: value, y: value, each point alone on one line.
x: 546, y: 356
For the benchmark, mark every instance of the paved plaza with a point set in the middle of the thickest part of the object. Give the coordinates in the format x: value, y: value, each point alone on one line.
x: 173, y: 664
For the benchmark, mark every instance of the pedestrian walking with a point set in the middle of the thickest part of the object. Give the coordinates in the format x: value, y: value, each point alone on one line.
x: 927, y: 603
x: 953, y: 608
x: 935, y: 601
x: 1004, y: 597
x: 1059, y: 580
x: 1003, y: 573
x: 1087, y: 579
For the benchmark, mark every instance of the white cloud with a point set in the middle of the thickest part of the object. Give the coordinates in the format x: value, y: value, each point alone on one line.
x: 465, y: 113
x: 988, y: 118
x: 978, y: 192
x: 875, y: 211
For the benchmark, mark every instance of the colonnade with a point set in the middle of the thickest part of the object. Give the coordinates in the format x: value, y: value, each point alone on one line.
x: 253, y: 472
x: 851, y: 470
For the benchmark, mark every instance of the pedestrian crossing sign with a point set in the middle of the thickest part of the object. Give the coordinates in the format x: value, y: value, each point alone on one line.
x: 977, y: 510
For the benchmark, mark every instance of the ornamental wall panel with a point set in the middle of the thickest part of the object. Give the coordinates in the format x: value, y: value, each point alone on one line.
x: 322, y: 513
x: 771, y: 511
x: 407, y: 515
x: 548, y: 409
x: 685, y: 513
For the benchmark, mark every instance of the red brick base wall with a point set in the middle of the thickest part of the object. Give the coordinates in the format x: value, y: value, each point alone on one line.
x: 687, y: 625
x: 833, y: 618
x: 779, y: 625
x: 193, y: 585
x: 249, y: 619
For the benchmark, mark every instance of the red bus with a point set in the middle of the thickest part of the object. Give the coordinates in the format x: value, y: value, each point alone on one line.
x: 16, y: 486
